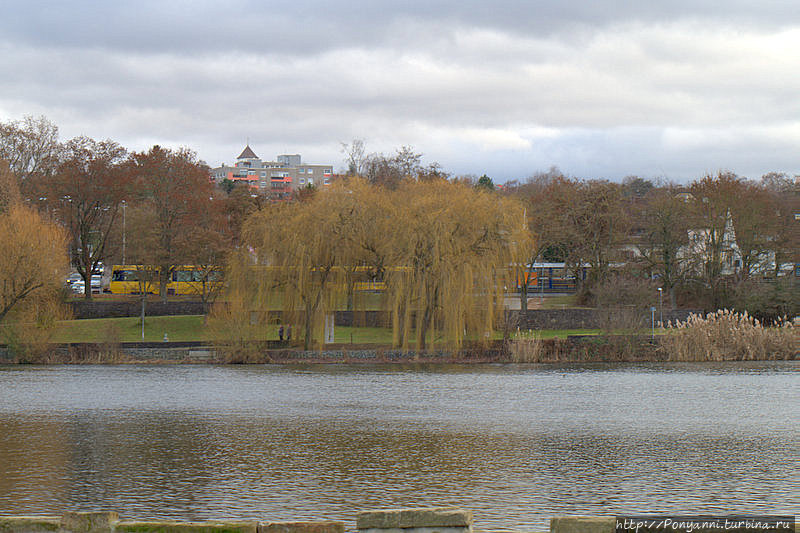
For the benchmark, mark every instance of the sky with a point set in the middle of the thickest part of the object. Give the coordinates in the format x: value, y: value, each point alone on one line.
x: 673, y: 89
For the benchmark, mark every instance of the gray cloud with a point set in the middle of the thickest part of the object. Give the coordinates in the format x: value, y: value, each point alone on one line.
x: 506, y: 88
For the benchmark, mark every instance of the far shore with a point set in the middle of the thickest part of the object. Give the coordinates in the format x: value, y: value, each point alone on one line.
x: 576, y: 349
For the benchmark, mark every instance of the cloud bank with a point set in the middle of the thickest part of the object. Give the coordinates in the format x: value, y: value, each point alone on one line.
x: 503, y: 88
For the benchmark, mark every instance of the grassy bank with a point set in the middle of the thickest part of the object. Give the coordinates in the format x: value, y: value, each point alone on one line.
x: 186, y: 328
x: 723, y: 336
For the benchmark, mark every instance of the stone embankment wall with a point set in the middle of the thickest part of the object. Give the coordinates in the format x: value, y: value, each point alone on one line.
x: 531, y: 319
x: 434, y: 520
x: 121, y: 308
x: 580, y: 318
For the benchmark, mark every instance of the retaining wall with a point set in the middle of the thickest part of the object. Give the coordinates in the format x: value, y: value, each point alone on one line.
x: 423, y: 520
x: 109, y: 522
x: 531, y: 319
x: 430, y: 520
x: 122, y: 308
x: 581, y: 318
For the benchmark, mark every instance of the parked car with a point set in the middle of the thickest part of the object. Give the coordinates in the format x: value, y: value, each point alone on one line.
x: 72, y: 278
x: 78, y: 287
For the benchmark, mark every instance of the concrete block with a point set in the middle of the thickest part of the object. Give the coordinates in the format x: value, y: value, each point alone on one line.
x: 583, y: 524
x: 318, y: 526
x: 437, y: 517
x: 418, y: 530
x: 169, y: 526
x: 92, y: 522
x: 29, y: 524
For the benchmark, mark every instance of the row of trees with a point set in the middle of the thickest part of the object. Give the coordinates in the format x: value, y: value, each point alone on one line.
x: 155, y: 207
x: 703, y: 240
x: 442, y: 243
x: 705, y: 244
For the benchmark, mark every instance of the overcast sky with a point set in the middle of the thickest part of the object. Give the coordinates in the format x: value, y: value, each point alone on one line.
x: 605, y: 89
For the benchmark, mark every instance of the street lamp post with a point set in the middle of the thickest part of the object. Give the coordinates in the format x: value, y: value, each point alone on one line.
x: 652, y: 323
x: 661, y: 307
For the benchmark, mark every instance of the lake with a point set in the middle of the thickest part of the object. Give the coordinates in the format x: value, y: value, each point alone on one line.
x: 517, y: 444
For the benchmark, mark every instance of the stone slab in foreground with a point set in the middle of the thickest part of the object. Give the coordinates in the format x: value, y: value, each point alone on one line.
x: 108, y: 522
x: 583, y: 524
x: 427, y: 520
x: 130, y: 526
x: 29, y: 524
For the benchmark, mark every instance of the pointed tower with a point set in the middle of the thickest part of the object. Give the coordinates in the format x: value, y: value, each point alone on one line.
x: 248, y: 158
x: 247, y: 153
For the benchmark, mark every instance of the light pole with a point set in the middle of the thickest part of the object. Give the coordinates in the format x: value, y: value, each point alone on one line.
x: 661, y: 307
x: 124, y: 205
x: 653, y: 323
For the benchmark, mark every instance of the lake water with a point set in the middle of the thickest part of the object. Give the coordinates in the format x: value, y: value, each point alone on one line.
x: 516, y: 444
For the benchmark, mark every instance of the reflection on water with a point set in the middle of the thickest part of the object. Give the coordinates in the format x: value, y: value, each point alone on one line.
x: 516, y: 444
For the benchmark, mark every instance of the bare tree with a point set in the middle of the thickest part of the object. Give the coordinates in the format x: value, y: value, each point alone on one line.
x: 86, y: 192
x: 664, y: 222
x: 30, y: 146
x: 173, y: 188
x: 355, y: 156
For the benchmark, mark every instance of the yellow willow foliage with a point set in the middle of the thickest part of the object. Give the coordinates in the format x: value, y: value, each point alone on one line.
x: 455, y: 245
x: 444, y: 250
x: 303, y: 254
x: 33, y: 263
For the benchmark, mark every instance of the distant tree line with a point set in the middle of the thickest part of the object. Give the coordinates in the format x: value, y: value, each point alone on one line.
x: 444, y: 245
x: 719, y: 241
x: 155, y: 208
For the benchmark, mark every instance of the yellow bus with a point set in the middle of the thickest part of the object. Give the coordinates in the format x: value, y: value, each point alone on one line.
x: 185, y: 280
x: 193, y: 280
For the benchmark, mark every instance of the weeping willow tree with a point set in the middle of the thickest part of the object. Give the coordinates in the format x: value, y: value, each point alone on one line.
x: 363, y: 223
x: 304, y: 256
x: 443, y: 249
x: 452, y: 248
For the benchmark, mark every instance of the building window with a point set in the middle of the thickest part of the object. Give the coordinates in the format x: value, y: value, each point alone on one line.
x: 302, y: 181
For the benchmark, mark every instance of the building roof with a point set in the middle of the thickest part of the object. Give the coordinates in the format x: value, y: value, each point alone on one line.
x: 247, y: 153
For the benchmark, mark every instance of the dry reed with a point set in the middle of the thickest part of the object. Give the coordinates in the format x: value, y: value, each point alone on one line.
x: 726, y: 335
x: 525, y: 347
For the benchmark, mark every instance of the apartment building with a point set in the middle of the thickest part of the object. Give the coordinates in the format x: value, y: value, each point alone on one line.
x: 277, y: 178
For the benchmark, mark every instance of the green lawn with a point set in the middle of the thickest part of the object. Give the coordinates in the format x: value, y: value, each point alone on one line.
x: 129, y: 329
x: 193, y: 328
x: 363, y: 300
x: 564, y: 333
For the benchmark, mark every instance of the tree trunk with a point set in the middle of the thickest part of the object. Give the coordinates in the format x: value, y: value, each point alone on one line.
x: 162, y: 288
x: 87, y: 287
x: 308, y: 321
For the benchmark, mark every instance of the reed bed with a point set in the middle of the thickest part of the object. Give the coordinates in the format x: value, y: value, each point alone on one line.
x: 526, y: 347
x: 726, y: 335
